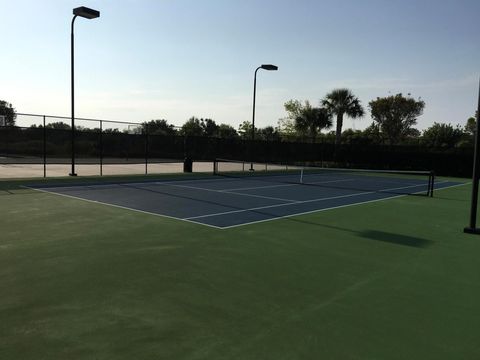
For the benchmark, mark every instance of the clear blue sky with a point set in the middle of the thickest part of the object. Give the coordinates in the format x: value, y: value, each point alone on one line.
x: 173, y: 59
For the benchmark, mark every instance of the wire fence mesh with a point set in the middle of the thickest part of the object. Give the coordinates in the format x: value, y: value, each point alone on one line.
x: 46, y: 141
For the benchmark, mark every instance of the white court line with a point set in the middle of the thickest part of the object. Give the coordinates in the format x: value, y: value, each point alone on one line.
x: 330, y: 208
x: 234, y: 191
x: 283, y: 185
x: 257, y: 196
x: 122, y: 207
x: 230, y: 192
x: 153, y: 181
x: 277, y: 205
x: 304, y: 202
x: 188, y: 220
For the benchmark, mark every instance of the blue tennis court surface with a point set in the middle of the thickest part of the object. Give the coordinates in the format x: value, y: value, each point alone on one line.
x: 225, y: 202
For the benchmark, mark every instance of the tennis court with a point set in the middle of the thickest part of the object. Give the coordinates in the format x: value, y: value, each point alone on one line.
x: 240, y: 198
x: 87, y: 271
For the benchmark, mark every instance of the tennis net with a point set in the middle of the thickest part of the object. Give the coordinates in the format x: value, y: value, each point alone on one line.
x: 389, y: 181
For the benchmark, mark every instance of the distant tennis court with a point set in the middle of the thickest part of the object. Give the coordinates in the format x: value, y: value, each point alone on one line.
x: 238, y: 196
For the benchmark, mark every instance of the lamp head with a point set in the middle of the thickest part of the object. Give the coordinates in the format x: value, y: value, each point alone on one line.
x: 86, y: 13
x: 269, y: 67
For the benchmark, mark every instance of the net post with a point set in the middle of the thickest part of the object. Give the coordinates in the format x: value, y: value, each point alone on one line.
x: 146, y: 149
x: 301, y: 175
x: 215, y: 167
x: 101, y: 148
x: 431, y: 183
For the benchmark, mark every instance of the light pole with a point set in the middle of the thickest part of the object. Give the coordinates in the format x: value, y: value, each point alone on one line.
x: 472, y: 228
x: 87, y: 14
x: 269, y: 67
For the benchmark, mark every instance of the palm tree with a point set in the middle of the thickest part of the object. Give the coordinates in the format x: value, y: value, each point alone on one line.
x: 341, y: 102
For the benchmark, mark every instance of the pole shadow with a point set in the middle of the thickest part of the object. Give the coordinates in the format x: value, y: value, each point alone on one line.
x: 377, y: 235
x: 397, y: 239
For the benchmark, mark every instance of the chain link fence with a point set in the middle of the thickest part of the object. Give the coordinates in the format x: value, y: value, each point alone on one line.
x: 45, y: 143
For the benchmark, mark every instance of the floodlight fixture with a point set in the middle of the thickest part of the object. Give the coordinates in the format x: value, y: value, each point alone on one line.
x: 86, y: 13
x: 269, y: 67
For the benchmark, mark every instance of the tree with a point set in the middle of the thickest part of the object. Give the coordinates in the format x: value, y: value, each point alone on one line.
x: 159, y: 127
x: 60, y: 125
x: 396, y: 115
x: 471, y: 126
x: 342, y: 102
x: 469, y: 132
x: 286, y: 127
x: 312, y: 120
x: 269, y: 133
x: 294, y: 108
x: 193, y: 127
x: 306, y: 119
x: 245, y: 129
x: 412, y: 137
x: 227, y: 132
x: 210, y: 128
x: 7, y: 110
x: 442, y: 135
x: 111, y: 131
x: 373, y: 134
x: 351, y: 136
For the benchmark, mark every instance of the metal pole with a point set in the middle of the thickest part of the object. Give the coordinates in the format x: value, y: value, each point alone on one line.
x: 73, y: 98
x: 431, y: 183
x: 146, y: 150
x: 101, y: 148
x: 44, y: 148
x: 253, y: 117
x: 473, y: 210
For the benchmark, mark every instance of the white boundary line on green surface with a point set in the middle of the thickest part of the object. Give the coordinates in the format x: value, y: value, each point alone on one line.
x: 155, y: 182
x: 308, y: 201
x: 174, y: 183
x: 283, y: 185
x: 330, y: 208
x: 189, y: 220
x: 122, y: 207
x: 229, y: 192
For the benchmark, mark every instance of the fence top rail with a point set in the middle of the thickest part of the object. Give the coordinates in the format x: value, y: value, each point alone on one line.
x: 78, y: 118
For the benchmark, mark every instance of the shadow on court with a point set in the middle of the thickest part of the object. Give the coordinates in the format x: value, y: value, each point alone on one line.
x: 383, y: 236
x: 398, y: 239
x: 14, y: 188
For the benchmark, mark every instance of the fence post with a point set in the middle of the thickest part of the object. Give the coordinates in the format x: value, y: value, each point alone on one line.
x: 7, y: 135
x: 185, y: 146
